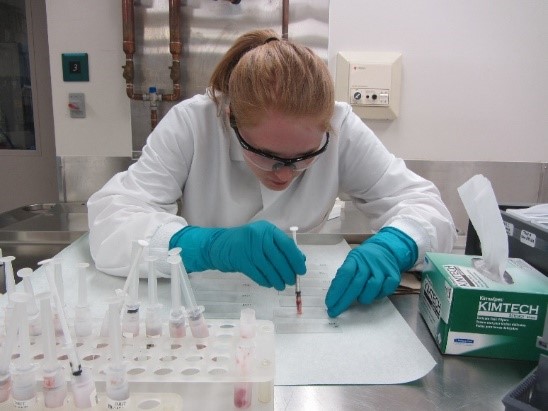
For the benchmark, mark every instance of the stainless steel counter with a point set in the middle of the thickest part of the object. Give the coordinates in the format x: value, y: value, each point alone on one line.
x: 37, y: 232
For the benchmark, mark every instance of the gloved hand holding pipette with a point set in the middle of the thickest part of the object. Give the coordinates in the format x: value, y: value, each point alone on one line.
x: 260, y: 250
x: 372, y: 270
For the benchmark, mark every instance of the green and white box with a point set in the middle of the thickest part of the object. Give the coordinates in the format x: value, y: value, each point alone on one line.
x: 470, y: 314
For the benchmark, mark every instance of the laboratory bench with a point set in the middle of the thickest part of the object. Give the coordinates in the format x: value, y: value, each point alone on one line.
x: 38, y: 232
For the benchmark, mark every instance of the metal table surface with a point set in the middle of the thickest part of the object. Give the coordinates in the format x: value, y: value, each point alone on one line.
x: 455, y: 383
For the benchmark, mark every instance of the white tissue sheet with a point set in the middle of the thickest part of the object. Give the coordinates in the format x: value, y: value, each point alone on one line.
x: 481, y: 205
x: 374, y: 345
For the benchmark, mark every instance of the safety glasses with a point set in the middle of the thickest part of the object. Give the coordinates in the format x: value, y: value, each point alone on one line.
x: 269, y: 162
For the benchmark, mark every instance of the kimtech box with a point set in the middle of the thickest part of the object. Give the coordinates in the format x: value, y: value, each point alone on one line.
x: 470, y: 314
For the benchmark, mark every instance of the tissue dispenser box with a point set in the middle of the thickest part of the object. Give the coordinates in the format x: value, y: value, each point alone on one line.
x: 469, y: 314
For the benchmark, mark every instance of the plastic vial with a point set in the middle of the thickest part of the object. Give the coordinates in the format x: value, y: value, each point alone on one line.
x: 197, y: 324
x: 5, y: 387
x: 130, y: 320
x: 83, y: 389
x: 82, y: 321
x: 24, y: 387
x: 153, y: 321
x: 54, y: 388
x: 177, y: 324
x: 117, y: 388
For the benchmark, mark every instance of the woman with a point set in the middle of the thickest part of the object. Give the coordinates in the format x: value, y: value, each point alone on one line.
x: 265, y: 148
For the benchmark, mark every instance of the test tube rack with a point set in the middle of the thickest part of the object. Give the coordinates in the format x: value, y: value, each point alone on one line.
x: 197, y: 369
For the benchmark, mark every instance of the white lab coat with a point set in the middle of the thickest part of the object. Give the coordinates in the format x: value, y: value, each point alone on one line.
x: 194, y: 154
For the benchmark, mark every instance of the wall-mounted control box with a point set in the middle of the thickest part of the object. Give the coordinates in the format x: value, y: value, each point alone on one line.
x: 370, y: 82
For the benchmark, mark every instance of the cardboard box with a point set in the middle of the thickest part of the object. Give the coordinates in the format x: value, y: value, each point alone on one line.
x: 527, y: 240
x: 469, y: 314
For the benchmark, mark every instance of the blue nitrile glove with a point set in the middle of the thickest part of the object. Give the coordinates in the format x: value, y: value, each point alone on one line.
x: 260, y: 250
x: 371, y: 270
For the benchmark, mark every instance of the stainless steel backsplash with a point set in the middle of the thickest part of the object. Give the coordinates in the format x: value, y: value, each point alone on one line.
x: 523, y: 183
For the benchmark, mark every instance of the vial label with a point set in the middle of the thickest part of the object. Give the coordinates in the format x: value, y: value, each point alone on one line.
x: 24, y: 403
x: 116, y: 404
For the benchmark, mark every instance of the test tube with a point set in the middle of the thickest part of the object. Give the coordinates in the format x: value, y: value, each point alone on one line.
x: 244, y: 353
x: 298, y: 300
x: 196, y: 320
x: 35, y: 327
x: 177, y: 323
x: 24, y: 379
x: 117, y: 388
x: 82, y: 312
x: 54, y: 386
x: 153, y: 320
x: 248, y: 322
x: 243, y: 389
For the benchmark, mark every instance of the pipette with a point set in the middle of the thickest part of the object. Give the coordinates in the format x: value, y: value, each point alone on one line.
x: 117, y: 388
x: 5, y: 357
x: 130, y: 317
x: 82, y: 312
x: 298, y: 300
x: 58, y: 276
x: 35, y: 327
x: 54, y: 386
x: 73, y: 357
x: 105, y: 325
x: 196, y: 320
x: 24, y: 379
x: 58, y: 279
x: 177, y: 323
x: 153, y: 320
x: 83, y: 388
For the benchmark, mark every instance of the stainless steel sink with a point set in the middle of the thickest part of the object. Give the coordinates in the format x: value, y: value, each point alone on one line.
x: 39, y: 231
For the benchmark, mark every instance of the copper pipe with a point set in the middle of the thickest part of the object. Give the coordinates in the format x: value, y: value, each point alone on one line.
x: 128, y: 27
x: 175, y: 47
x: 285, y: 19
x: 153, y: 118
